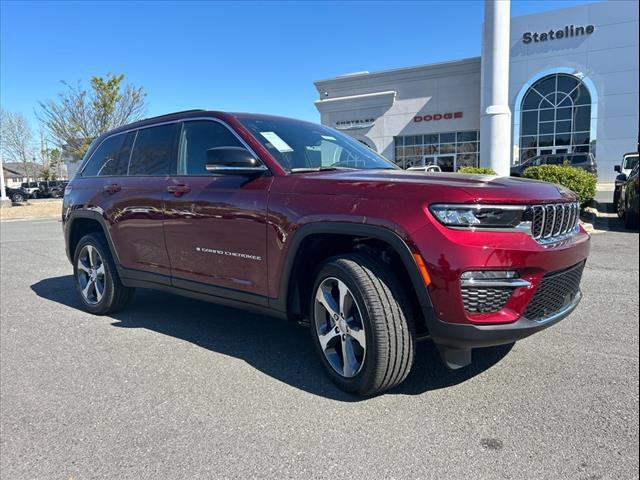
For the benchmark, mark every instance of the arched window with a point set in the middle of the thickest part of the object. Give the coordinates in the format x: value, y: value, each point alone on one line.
x: 555, y: 117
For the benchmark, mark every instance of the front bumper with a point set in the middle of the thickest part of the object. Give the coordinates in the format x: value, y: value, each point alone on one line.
x: 467, y: 336
x: 448, y: 253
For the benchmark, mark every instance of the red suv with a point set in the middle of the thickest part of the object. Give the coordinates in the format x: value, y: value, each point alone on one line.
x: 300, y: 221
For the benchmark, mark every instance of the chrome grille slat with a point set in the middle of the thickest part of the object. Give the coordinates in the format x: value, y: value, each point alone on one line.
x: 554, y: 221
x: 557, y: 226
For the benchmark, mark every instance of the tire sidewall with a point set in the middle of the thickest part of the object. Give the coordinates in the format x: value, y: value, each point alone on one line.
x: 360, y: 380
x: 109, y: 288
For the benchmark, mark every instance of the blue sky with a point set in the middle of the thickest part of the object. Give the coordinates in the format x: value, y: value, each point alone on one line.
x: 242, y: 56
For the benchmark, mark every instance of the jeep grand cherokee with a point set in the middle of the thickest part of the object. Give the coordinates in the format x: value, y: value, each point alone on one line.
x: 300, y: 221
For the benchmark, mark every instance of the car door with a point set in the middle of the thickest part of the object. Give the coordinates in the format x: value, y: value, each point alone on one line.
x: 215, y: 224
x: 135, y: 194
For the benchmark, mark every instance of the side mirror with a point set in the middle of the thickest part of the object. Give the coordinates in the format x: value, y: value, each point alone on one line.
x: 233, y: 161
x: 617, y: 169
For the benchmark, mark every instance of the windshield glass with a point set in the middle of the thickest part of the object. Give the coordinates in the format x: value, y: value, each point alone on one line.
x: 301, y: 146
x: 630, y: 162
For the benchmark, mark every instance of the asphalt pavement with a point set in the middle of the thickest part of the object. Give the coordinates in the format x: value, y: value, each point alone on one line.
x: 176, y: 388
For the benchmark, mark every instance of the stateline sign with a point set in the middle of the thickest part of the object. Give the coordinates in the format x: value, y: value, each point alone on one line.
x: 568, y: 32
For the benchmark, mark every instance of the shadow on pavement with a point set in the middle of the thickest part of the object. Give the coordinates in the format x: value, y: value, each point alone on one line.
x: 277, y: 348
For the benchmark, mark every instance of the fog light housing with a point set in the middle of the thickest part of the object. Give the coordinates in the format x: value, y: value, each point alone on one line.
x: 489, y: 275
x: 492, y: 278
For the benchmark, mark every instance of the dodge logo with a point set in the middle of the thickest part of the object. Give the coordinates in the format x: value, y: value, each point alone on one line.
x: 437, y: 116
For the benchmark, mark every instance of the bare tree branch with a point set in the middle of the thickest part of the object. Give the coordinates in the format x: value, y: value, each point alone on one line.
x: 78, y: 115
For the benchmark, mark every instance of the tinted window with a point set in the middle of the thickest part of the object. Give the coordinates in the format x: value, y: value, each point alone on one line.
x: 105, y: 159
x: 152, y: 150
x: 579, y: 159
x: 196, y: 138
x: 630, y: 162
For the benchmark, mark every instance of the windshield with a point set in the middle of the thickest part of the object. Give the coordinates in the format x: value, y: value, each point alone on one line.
x: 630, y: 162
x: 301, y: 146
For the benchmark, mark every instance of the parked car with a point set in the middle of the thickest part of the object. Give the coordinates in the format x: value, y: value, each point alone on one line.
x: 17, y: 195
x: 629, y: 162
x: 56, y: 189
x: 427, y: 168
x: 32, y: 189
x: 586, y: 161
x: 627, y: 202
x: 302, y: 222
x: 52, y: 188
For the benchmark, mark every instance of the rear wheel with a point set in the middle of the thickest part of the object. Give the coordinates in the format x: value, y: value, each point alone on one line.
x: 361, y: 325
x: 96, y: 278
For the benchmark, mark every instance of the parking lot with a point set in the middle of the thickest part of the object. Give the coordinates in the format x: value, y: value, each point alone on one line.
x: 177, y: 388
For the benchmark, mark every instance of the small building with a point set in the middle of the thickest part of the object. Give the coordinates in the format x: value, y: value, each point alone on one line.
x: 573, y: 87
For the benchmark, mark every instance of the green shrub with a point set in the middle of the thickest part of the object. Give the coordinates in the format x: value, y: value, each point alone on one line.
x: 579, y: 181
x: 477, y: 170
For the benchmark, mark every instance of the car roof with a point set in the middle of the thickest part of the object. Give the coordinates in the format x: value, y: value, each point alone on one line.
x: 171, y: 117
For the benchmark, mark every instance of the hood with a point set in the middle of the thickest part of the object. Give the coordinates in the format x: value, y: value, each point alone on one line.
x: 436, y: 187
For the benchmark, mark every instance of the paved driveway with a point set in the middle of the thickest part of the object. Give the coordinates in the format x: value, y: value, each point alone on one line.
x: 176, y: 388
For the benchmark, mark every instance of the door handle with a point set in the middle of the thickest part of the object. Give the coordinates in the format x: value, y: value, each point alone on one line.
x: 178, y: 190
x: 112, y: 188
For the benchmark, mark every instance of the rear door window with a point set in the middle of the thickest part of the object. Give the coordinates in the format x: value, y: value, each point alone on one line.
x: 152, y: 150
x: 105, y: 160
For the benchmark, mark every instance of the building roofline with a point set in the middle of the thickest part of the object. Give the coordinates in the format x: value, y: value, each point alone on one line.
x: 417, y: 68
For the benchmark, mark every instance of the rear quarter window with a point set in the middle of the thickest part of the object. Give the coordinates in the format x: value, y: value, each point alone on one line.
x: 152, y: 150
x: 105, y: 160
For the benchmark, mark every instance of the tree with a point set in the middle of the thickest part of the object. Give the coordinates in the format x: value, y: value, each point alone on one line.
x: 79, y: 115
x: 16, y: 138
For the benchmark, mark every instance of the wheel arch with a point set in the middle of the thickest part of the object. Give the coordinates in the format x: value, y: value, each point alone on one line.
x: 338, y: 233
x: 82, y: 222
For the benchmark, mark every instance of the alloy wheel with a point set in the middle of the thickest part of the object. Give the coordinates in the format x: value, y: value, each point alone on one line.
x: 339, y: 327
x: 91, y: 274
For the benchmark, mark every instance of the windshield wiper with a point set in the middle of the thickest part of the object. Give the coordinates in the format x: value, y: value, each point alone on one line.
x: 318, y: 169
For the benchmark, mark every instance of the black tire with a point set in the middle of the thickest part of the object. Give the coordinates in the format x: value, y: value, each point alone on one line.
x: 620, y: 208
x: 115, y: 295
x: 616, y: 198
x: 386, y: 318
x: 17, y: 198
x: 630, y: 219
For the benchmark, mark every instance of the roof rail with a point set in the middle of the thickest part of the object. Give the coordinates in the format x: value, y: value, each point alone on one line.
x: 172, y: 113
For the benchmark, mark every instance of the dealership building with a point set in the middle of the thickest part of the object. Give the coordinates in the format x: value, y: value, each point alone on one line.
x: 572, y: 87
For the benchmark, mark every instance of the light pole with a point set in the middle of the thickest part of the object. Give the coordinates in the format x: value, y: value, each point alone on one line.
x: 3, y: 194
x: 495, y: 115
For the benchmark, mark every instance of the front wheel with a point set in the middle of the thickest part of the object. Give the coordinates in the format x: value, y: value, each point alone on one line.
x: 361, y: 325
x: 620, y: 207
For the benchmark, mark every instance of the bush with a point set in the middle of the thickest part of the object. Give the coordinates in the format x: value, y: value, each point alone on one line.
x: 477, y: 170
x: 579, y: 181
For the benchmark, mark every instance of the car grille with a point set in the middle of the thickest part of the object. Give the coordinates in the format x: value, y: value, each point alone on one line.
x: 556, y: 291
x: 550, y: 223
x: 485, y: 299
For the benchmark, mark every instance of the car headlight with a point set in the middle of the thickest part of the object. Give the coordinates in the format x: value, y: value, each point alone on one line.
x: 479, y: 216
